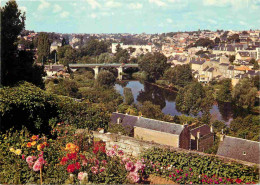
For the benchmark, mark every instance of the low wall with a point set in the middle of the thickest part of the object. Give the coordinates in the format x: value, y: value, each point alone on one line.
x: 134, y: 147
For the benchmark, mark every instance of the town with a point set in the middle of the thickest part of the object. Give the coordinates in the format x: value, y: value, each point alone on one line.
x: 120, y: 92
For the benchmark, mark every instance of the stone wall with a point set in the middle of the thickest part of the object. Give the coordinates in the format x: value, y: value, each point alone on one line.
x: 206, y: 142
x: 156, y: 136
x: 134, y: 147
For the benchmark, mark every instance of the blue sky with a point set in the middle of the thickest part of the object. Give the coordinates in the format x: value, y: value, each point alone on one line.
x: 137, y: 16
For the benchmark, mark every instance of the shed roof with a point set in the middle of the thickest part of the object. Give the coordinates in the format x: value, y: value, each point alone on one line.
x: 240, y: 149
x: 162, y: 126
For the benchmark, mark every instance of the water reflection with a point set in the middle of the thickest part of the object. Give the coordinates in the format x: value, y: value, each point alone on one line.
x: 166, y: 100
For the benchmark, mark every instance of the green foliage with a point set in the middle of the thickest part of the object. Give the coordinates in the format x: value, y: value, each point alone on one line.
x: 140, y: 75
x: 122, y: 56
x: 232, y: 58
x: 119, y: 129
x: 244, y: 93
x: 43, y: 47
x: 218, y: 126
x: 246, y: 128
x: 105, y: 78
x: 204, y: 42
x: 29, y: 106
x: 193, y: 98
x: 154, y: 64
x: 106, y: 58
x: 129, y: 98
x: 180, y: 75
x: 224, y: 93
x: 93, y: 48
x: 164, y: 162
x: 149, y: 110
x: 66, y: 55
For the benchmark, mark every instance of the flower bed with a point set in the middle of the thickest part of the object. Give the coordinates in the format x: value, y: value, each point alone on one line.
x: 186, y: 168
x: 69, y: 159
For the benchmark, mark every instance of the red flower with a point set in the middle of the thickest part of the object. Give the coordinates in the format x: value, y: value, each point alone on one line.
x: 72, y: 156
x: 63, y: 160
x: 83, y: 157
x: 71, y: 168
x: 238, y: 181
x: 77, y: 165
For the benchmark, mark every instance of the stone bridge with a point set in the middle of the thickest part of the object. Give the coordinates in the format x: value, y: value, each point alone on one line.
x: 96, y: 67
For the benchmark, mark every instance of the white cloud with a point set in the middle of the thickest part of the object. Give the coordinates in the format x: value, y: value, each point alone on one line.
x: 212, y: 21
x: 242, y: 23
x: 135, y: 6
x: 44, y: 4
x: 112, y: 4
x: 64, y: 14
x: 158, y: 2
x: 56, y: 8
x: 93, y: 15
x: 225, y: 3
x: 93, y: 3
x: 169, y: 20
x: 23, y: 8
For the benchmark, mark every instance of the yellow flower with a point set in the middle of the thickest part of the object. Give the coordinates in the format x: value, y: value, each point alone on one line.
x: 39, y: 147
x: 12, y: 149
x: 33, y: 143
x: 18, y: 151
x: 5, y: 137
x: 34, y: 137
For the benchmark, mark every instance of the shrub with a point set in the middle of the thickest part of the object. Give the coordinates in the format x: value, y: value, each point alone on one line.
x: 186, y: 168
x: 106, y: 78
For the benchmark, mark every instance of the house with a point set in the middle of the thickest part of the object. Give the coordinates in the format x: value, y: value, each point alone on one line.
x: 202, y: 138
x: 162, y: 132
x: 240, y: 149
x: 55, y: 45
x: 53, y: 70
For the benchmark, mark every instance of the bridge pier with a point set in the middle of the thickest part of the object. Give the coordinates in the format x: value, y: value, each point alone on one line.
x: 120, y: 71
x: 96, y: 71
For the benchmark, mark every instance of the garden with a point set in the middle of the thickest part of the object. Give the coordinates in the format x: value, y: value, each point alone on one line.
x: 66, y: 157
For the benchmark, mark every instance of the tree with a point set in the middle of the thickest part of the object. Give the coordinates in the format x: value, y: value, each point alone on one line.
x: 192, y: 99
x: 66, y: 54
x: 180, y: 75
x: 154, y: 64
x: 218, y: 126
x: 224, y: 93
x: 63, y: 42
x: 43, y: 47
x: 16, y: 66
x: 232, y: 58
x: 204, y: 42
x: 122, y: 56
x: 149, y: 110
x: 105, y: 58
x: 234, y: 38
x: 244, y: 93
x: 217, y: 40
x: 129, y: 98
x: 94, y: 48
x: 106, y: 78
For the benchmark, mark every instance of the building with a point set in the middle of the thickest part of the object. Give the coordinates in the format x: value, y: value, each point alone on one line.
x: 144, y: 48
x: 166, y: 133
x: 240, y: 149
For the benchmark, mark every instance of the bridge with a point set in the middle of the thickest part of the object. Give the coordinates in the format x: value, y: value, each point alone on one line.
x: 96, y: 67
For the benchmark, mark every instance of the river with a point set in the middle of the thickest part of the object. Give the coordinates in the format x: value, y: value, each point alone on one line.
x: 166, y: 99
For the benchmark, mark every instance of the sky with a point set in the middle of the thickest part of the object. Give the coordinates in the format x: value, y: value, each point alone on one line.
x: 138, y: 16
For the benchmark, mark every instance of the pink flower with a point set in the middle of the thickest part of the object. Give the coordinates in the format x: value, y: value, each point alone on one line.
x: 133, y: 176
x: 177, y: 171
x: 170, y: 176
x: 84, y: 162
x: 30, y: 159
x: 110, y: 153
x: 23, y: 156
x: 190, y: 169
x: 138, y: 166
x: 94, y: 169
x: 190, y: 182
x: 129, y: 166
x: 120, y: 152
x: 37, y: 166
x: 41, y: 154
x: 80, y: 175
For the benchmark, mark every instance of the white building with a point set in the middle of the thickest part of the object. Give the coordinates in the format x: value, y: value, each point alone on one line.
x: 146, y: 48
